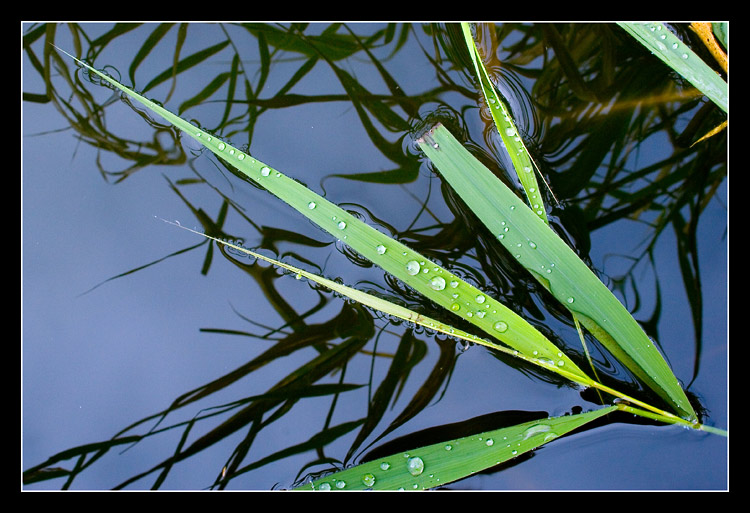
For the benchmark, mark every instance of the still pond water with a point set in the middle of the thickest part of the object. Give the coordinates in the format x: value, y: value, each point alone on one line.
x: 104, y: 347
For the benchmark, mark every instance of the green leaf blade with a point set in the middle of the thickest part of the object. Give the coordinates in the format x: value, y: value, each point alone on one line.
x: 427, y: 277
x: 442, y: 463
x: 553, y: 264
x: 507, y: 130
x: 673, y: 52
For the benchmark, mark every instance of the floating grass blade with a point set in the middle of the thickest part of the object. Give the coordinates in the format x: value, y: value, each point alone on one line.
x: 676, y: 54
x: 401, y: 312
x: 376, y: 303
x: 553, y: 264
x: 433, y: 281
x: 439, y: 464
x: 519, y: 155
x: 363, y: 298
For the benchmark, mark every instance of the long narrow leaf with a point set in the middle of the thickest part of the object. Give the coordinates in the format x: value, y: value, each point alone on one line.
x: 433, y: 281
x: 519, y: 155
x: 546, y: 256
x: 678, y: 56
x: 439, y: 464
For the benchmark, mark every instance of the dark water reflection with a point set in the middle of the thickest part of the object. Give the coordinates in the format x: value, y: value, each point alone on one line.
x: 124, y: 315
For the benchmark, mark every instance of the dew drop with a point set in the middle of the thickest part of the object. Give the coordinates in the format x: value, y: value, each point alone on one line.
x: 535, y: 430
x: 437, y: 283
x: 510, y: 132
x: 241, y: 156
x: 412, y: 267
x: 570, y: 300
x: 380, y: 249
x: 368, y: 480
x: 448, y: 447
x: 415, y: 465
x: 265, y: 171
x: 341, y: 225
x: 454, y: 284
x: 340, y: 484
x: 324, y: 486
x: 455, y: 307
x: 490, y: 442
x: 501, y: 326
x: 532, y: 244
x: 222, y: 146
x: 385, y: 465
x: 480, y: 299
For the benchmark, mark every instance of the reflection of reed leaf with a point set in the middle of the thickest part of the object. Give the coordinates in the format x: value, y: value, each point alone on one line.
x: 287, y: 390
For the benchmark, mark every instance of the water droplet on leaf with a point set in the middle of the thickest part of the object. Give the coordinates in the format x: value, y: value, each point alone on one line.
x: 415, y: 465
x: 437, y: 283
x: 501, y: 326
